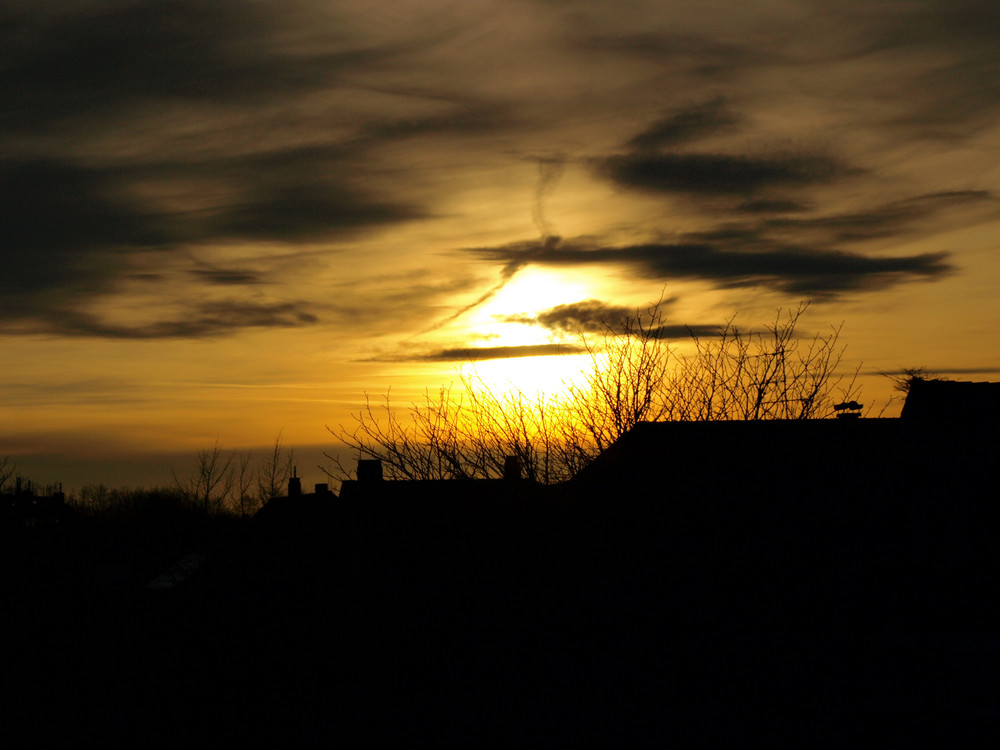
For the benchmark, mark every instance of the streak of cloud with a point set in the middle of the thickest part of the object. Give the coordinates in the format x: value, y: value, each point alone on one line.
x: 550, y: 170
x: 158, y: 148
x: 597, y: 316
x: 685, y: 126
x: 484, y: 353
x: 783, y: 268
x: 717, y: 174
x: 587, y: 316
x: 206, y: 320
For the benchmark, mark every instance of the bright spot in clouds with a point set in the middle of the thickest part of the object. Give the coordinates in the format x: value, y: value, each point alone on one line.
x: 529, y: 375
x: 531, y: 291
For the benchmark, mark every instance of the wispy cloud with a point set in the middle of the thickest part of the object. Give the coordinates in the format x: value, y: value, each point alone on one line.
x: 717, y: 174
x: 72, y: 234
x: 686, y: 125
x: 479, y: 354
x: 576, y: 317
x: 785, y: 268
x: 704, y: 56
x: 950, y: 56
x: 475, y: 354
x: 144, y: 141
x: 100, y: 58
x: 885, y: 220
x: 227, y: 277
x: 143, y: 131
x: 596, y: 316
x: 201, y: 321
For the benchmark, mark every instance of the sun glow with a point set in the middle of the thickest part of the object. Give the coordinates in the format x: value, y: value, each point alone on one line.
x: 529, y: 375
x: 509, y: 320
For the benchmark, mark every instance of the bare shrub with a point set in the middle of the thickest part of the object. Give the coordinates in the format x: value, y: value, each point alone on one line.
x: 210, y: 482
x: 273, y: 471
x: 766, y: 374
x: 7, y: 469
x: 634, y: 375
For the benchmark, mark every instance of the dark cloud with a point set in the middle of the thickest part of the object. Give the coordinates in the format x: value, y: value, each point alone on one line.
x: 577, y: 317
x: 698, y: 331
x: 98, y: 84
x: 801, y: 255
x: 50, y: 204
x: 303, y: 211
x: 71, y: 233
x: 829, y: 233
x: 756, y: 179
x: 596, y: 316
x: 884, y: 220
x: 293, y: 193
x: 686, y: 125
x: 944, y: 57
x: 479, y: 354
x: 62, y: 60
x: 948, y: 22
x: 462, y: 117
x: 473, y: 354
x: 717, y: 174
x: 789, y: 269
x: 64, y: 229
x: 142, y: 128
x: 204, y: 320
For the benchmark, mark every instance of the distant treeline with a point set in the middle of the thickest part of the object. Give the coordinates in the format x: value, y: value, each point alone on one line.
x: 218, y: 482
x: 100, y: 535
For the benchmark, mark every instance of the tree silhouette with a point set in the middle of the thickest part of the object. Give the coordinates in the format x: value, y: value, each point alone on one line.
x: 904, y: 379
x: 274, y: 471
x: 210, y: 483
x: 765, y: 374
x: 634, y: 374
x: 7, y: 469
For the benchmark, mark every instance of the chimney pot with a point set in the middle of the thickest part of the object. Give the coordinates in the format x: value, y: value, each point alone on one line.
x: 369, y: 470
x: 511, y: 468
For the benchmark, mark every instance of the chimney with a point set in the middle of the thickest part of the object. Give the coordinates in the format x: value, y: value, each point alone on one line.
x: 511, y: 468
x: 294, y: 484
x: 322, y: 489
x: 369, y: 470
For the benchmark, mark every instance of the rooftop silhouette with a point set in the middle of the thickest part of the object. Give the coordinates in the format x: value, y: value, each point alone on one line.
x: 759, y: 578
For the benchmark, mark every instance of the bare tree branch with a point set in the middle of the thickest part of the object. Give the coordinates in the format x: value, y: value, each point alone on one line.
x: 633, y: 376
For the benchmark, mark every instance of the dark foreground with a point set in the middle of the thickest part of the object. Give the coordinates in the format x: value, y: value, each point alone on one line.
x: 653, y: 614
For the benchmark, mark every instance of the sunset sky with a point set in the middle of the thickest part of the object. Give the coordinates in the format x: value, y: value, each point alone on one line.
x: 222, y: 219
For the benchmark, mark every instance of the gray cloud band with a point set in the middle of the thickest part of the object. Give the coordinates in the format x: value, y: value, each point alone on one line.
x: 784, y: 269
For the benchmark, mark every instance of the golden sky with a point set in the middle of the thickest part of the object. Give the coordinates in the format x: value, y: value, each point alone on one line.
x: 226, y: 218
